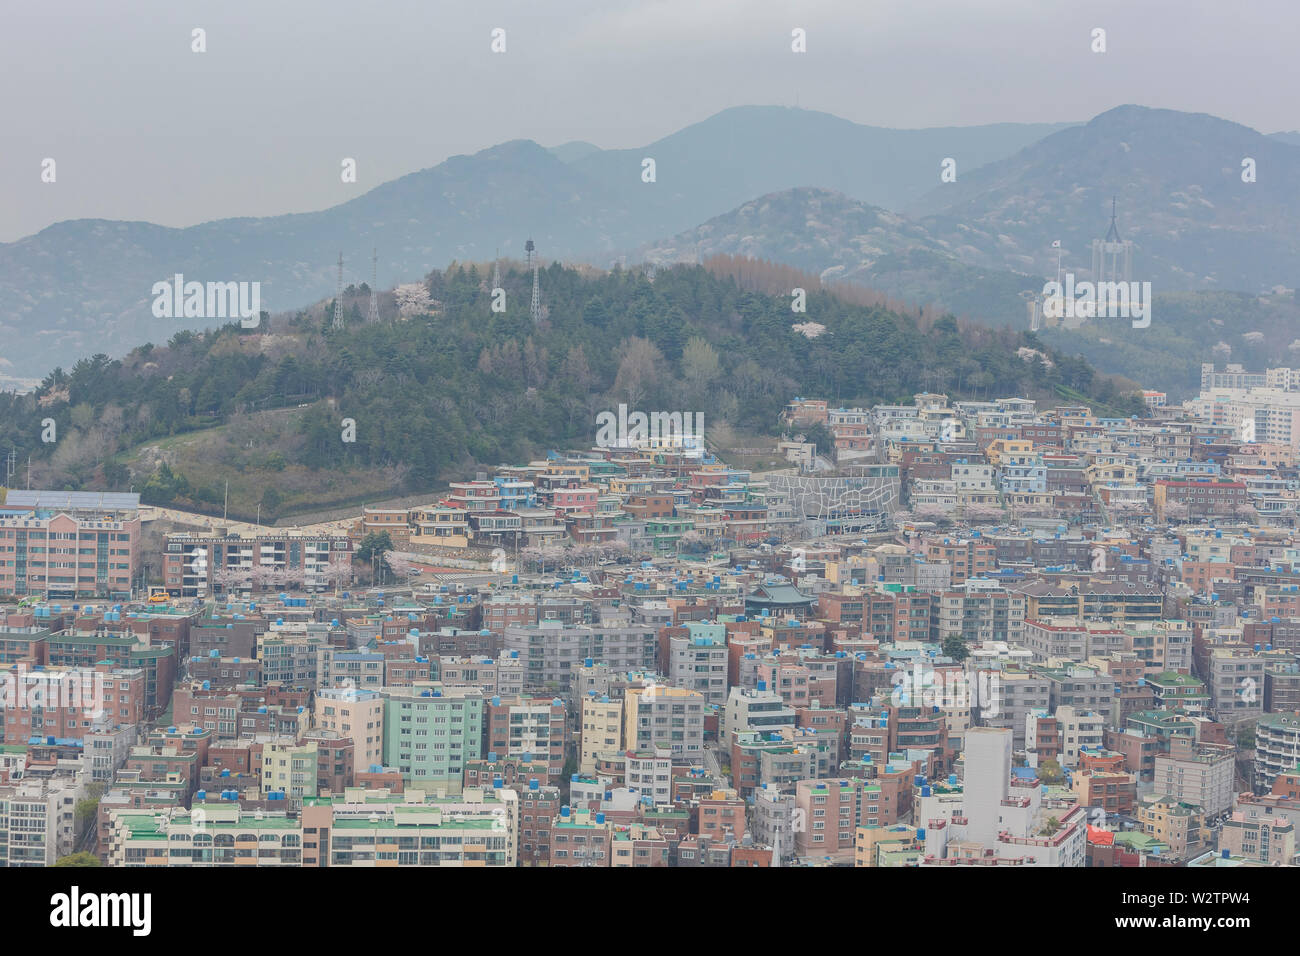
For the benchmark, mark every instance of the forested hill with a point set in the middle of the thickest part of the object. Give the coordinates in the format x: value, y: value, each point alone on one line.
x: 456, y: 384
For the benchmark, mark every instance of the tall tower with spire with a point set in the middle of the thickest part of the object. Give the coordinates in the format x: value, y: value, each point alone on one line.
x: 1112, y: 234
x: 496, y: 271
x: 1112, y: 257
x: 338, y: 297
x: 373, y: 314
x: 534, y: 308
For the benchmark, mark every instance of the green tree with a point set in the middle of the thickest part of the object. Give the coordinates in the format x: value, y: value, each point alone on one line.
x: 375, y: 541
x: 86, y: 810
x: 116, y: 475
x: 165, y: 486
x: 1050, y: 772
x: 78, y: 859
x: 954, y: 646
x: 819, y: 435
x: 570, y: 768
x: 272, y: 499
x: 1244, y: 736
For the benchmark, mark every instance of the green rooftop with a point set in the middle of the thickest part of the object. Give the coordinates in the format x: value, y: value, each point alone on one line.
x: 1141, y: 842
x: 1175, y: 679
x: 389, y: 823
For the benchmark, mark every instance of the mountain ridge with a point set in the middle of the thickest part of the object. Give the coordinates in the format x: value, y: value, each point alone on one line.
x: 83, y: 286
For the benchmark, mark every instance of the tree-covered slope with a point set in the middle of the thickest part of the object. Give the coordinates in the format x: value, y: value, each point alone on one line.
x: 435, y: 394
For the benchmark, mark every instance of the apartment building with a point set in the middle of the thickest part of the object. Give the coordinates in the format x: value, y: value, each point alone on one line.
x: 829, y: 812
x: 1081, y: 730
x: 1181, y: 692
x: 1199, y: 774
x: 365, y: 670
x: 290, y: 658
x: 968, y: 557
x: 355, y: 714
x: 1016, y: 693
x: 37, y: 821
x: 1178, y: 824
x: 1236, y: 684
x: 1081, y: 686
x: 64, y: 545
x: 550, y: 651
x: 49, y: 704
x: 698, y: 660
x: 1199, y: 497
x: 580, y: 838
x: 1255, y: 834
x: 1277, y: 748
x: 650, y: 773
x: 670, y: 718
x: 755, y: 710
x: 601, y: 730
x: 197, y: 565
x: 429, y: 735
x: 289, y: 768
x: 495, y: 677
x: 531, y: 729
x: 360, y: 828
x: 980, y: 611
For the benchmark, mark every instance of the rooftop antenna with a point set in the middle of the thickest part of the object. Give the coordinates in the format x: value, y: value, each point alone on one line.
x: 1112, y: 234
x: 338, y: 298
x: 373, y: 314
x: 535, y: 308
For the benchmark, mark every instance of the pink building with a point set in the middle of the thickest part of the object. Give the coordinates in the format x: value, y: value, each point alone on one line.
x: 474, y: 496
x: 65, y: 703
x: 568, y: 500
x: 67, y: 553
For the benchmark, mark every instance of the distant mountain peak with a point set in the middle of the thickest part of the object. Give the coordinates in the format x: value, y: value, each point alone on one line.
x: 795, y: 183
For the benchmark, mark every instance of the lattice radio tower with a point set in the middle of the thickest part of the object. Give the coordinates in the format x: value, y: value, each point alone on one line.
x: 373, y: 314
x: 496, y: 271
x: 338, y: 298
x: 534, y: 309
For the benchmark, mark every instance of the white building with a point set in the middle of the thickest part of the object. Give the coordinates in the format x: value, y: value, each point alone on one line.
x: 1000, y: 821
x: 38, y: 821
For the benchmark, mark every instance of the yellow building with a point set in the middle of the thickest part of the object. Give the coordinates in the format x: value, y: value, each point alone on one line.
x: 442, y: 526
x: 1110, y: 472
x: 602, y: 730
x: 566, y: 467
x: 1180, y: 826
x: 394, y: 521
x: 882, y: 846
x: 290, y: 768
x: 1000, y: 449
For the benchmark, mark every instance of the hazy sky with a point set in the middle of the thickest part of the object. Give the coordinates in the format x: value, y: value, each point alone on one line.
x: 142, y: 128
